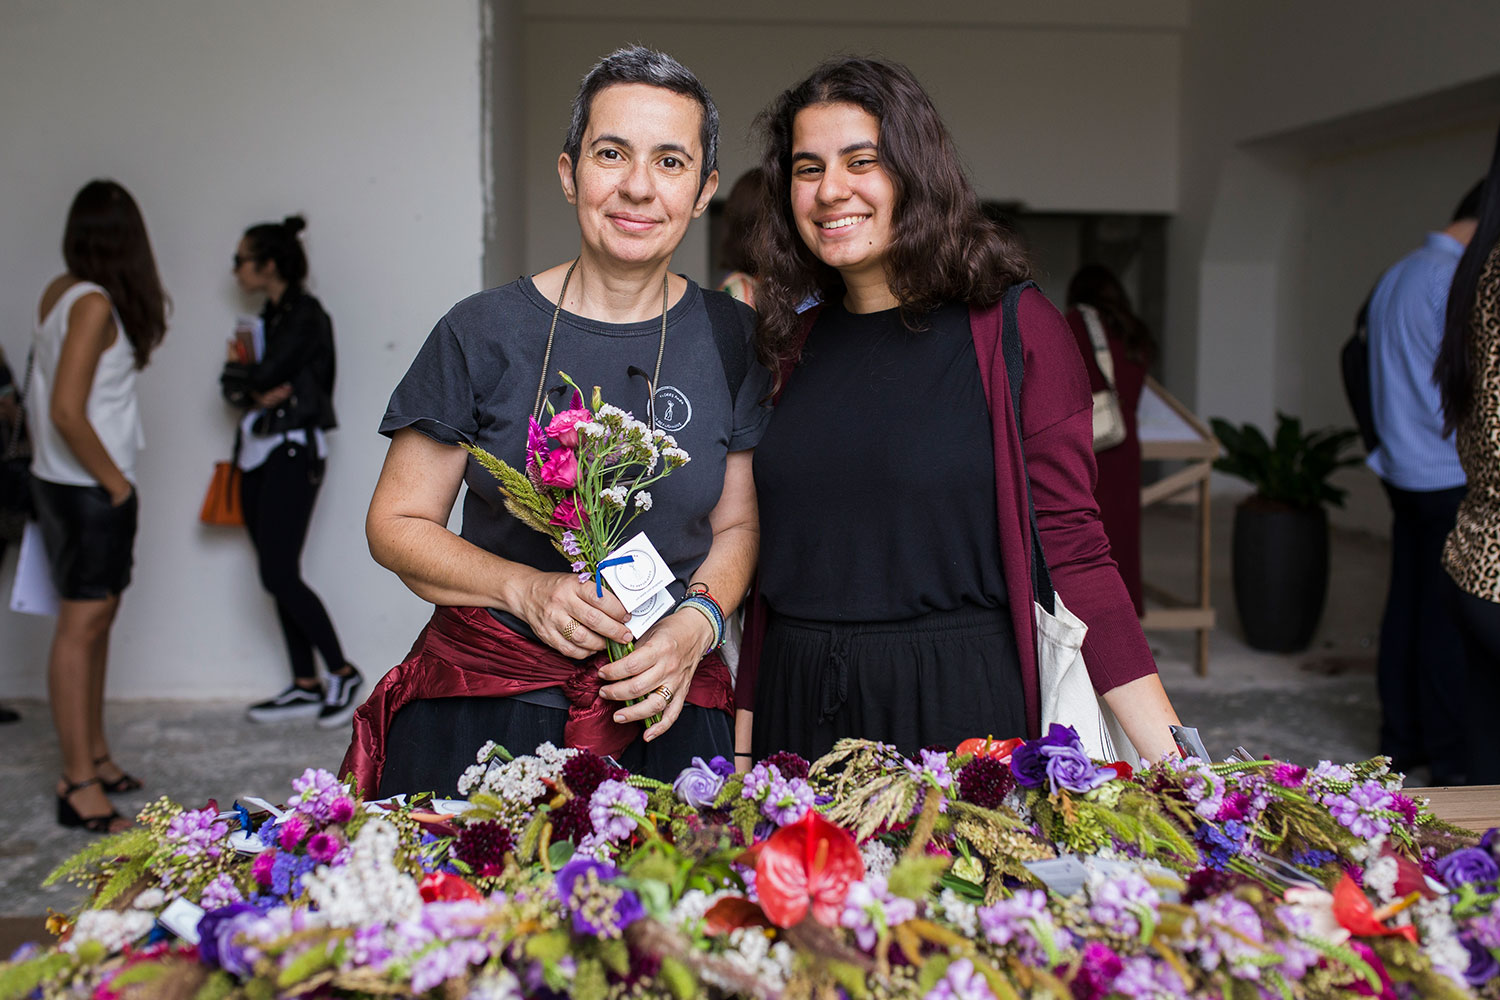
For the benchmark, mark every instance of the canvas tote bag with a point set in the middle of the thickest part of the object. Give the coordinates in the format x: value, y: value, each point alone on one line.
x: 1109, y: 419
x: 1067, y: 694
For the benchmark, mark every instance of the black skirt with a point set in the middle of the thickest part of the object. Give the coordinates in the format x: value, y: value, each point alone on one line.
x: 933, y: 680
x: 433, y: 741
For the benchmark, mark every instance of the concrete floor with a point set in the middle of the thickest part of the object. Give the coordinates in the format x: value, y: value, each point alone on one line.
x: 1317, y: 705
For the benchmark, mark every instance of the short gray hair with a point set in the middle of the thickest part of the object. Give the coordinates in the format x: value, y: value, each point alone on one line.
x: 638, y: 64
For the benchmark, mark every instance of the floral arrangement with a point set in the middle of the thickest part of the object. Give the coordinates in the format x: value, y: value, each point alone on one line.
x: 585, y: 479
x: 1003, y: 871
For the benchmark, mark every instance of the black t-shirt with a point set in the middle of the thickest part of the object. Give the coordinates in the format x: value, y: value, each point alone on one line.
x: 876, y: 476
x: 475, y: 381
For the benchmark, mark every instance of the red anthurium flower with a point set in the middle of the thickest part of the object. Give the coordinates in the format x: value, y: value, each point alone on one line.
x: 989, y: 747
x: 731, y: 913
x: 808, y: 864
x: 1409, y: 877
x: 1357, y: 915
x: 1122, y: 770
x: 443, y: 887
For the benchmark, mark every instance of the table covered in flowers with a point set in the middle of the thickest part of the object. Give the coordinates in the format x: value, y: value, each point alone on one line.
x: 994, y: 871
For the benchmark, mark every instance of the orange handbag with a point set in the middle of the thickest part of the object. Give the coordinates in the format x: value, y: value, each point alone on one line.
x: 221, y: 504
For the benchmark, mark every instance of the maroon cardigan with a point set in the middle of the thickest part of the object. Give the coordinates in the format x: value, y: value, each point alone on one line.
x: 1058, y: 452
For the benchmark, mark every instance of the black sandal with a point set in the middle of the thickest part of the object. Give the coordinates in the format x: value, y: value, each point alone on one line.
x: 69, y: 816
x: 126, y: 782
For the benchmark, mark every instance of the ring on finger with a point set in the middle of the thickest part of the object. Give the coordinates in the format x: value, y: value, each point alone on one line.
x: 567, y: 630
x: 666, y: 694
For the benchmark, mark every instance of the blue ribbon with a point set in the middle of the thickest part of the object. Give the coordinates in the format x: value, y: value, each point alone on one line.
x: 616, y: 561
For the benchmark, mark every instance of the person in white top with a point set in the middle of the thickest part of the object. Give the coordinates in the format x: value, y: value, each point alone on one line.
x: 97, y: 325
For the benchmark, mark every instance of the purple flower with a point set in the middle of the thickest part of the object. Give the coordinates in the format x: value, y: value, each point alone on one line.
x: 1289, y: 775
x: 1145, y: 979
x: 197, y: 832
x: 1024, y: 921
x: 597, y: 907
x: 323, y: 846
x: 1313, y: 857
x: 1220, y: 845
x: 933, y: 769
x: 1229, y: 932
x: 961, y: 982
x: 1467, y: 865
x: 1027, y: 761
x: 536, y: 443
x: 721, y: 765
x: 317, y: 792
x: 1120, y: 902
x: 1236, y: 806
x: 1070, y: 768
x: 1097, y: 971
x: 787, y: 800
x: 340, y: 809
x: 1204, y: 789
x: 759, y: 777
x: 699, y: 784
x: 1491, y: 840
x: 1364, y: 810
x: 216, y: 933
x: 570, y: 545
x: 609, y: 808
x: 1483, y: 966
x: 870, y: 910
x: 220, y: 892
x: 293, y: 831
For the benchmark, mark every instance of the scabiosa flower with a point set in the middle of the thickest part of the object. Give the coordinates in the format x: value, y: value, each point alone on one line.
x: 611, y: 806
x: 1364, y: 810
x: 870, y: 910
x: 585, y: 770
x: 1289, y: 775
x: 597, y: 908
x: 483, y: 846
x: 790, y: 765
x: 323, y: 847
x: 961, y: 982
x: 787, y: 800
x: 341, y: 809
x: 985, y: 782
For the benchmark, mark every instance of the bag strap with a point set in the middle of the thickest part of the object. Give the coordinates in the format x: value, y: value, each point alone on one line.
x: 19, y: 430
x: 730, y: 336
x: 1102, y: 356
x: 1015, y: 371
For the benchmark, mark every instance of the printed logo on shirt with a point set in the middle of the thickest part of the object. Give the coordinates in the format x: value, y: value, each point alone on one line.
x: 673, y: 411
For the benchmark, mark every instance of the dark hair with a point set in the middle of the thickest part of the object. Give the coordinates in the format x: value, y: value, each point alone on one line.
x: 1454, y: 371
x: 1468, y: 207
x: 943, y: 249
x: 1096, y: 285
x: 746, y: 201
x: 638, y: 64
x: 105, y: 242
x: 277, y: 242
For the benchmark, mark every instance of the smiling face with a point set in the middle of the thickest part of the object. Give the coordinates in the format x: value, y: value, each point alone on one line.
x: 636, y: 181
x: 843, y: 201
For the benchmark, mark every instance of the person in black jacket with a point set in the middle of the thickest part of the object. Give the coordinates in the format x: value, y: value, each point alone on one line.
x: 283, y: 381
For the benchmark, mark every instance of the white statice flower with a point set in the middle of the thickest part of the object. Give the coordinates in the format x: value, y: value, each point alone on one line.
x: 878, y: 856
x: 643, y: 500
x: 752, y: 952
x: 1380, y: 877
x: 593, y: 429
x: 674, y: 457
x: 1434, y: 918
x: 150, y: 899
x: 114, y: 930
x: 612, y: 416
x: 636, y: 429
x: 690, y: 910
x: 369, y: 889
x: 495, y: 984
x: 614, y: 496
x: 959, y: 912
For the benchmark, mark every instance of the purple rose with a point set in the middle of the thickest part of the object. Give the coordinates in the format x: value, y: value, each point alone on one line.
x: 1470, y: 864
x: 698, y: 785
x: 1028, y: 761
x: 1483, y: 966
x: 1491, y: 840
x: 216, y: 933
x: 1070, y: 768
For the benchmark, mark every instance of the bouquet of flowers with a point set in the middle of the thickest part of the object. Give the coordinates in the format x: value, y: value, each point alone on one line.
x: 1000, y: 871
x: 585, y: 480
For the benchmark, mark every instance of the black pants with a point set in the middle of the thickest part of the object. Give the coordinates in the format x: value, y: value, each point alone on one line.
x: 1480, y: 620
x: 1421, y: 666
x: 278, y: 498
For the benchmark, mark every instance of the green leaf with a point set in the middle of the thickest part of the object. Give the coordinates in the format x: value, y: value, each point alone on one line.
x: 548, y: 947
x: 218, y: 986
x: 22, y: 979
x: 913, y: 878
x: 559, y: 853
x: 615, y: 955
x: 679, y: 978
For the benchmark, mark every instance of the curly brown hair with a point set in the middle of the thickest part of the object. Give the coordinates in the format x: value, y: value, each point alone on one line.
x: 944, y: 249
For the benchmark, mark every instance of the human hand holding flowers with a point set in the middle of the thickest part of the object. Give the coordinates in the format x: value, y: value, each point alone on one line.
x: 667, y: 656
x: 570, y: 616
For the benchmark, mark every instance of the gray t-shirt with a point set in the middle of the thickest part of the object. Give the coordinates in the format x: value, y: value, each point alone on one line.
x: 475, y: 379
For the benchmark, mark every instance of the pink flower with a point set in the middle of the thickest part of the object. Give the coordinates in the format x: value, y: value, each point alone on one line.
x: 567, y: 514
x: 322, y: 846
x: 293, y: 832
x: 261, y: 867
x: 564, y: 426
x: 536, y: 443
x: 341, y: 809
x: 560, y: 469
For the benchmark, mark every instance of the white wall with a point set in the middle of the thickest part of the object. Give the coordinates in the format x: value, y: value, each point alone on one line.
x: 364, y: 115
x: 1058, y: 114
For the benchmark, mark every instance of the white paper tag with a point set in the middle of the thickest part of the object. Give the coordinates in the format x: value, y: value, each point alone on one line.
x: 637, y: 581
x: 1064, y: 875
x: 649, y: 613
x: 181, y: 917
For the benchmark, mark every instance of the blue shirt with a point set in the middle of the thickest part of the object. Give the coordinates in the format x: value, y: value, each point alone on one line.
x: 1406, y: 329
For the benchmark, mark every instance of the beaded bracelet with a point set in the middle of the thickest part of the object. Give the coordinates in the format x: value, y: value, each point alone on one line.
x: 708, y: 608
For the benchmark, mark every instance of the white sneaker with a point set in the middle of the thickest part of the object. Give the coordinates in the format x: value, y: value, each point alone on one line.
x: 293, y: 703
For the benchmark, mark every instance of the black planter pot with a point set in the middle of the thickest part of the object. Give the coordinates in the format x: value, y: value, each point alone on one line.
x: 1280, y: 574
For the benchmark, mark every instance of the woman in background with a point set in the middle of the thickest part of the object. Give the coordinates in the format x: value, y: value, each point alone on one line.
x: 1468, y: 375
x: 97, y: 324
x: 287, y: 395
x: 892, y: 479
x: 1131, y: 349
x: 746, y: 201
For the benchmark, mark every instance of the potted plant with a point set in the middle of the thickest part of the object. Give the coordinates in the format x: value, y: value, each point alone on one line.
x: 1280, y: 555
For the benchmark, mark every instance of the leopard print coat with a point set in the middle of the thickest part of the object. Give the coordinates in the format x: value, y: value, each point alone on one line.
x: 1472, y: 554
